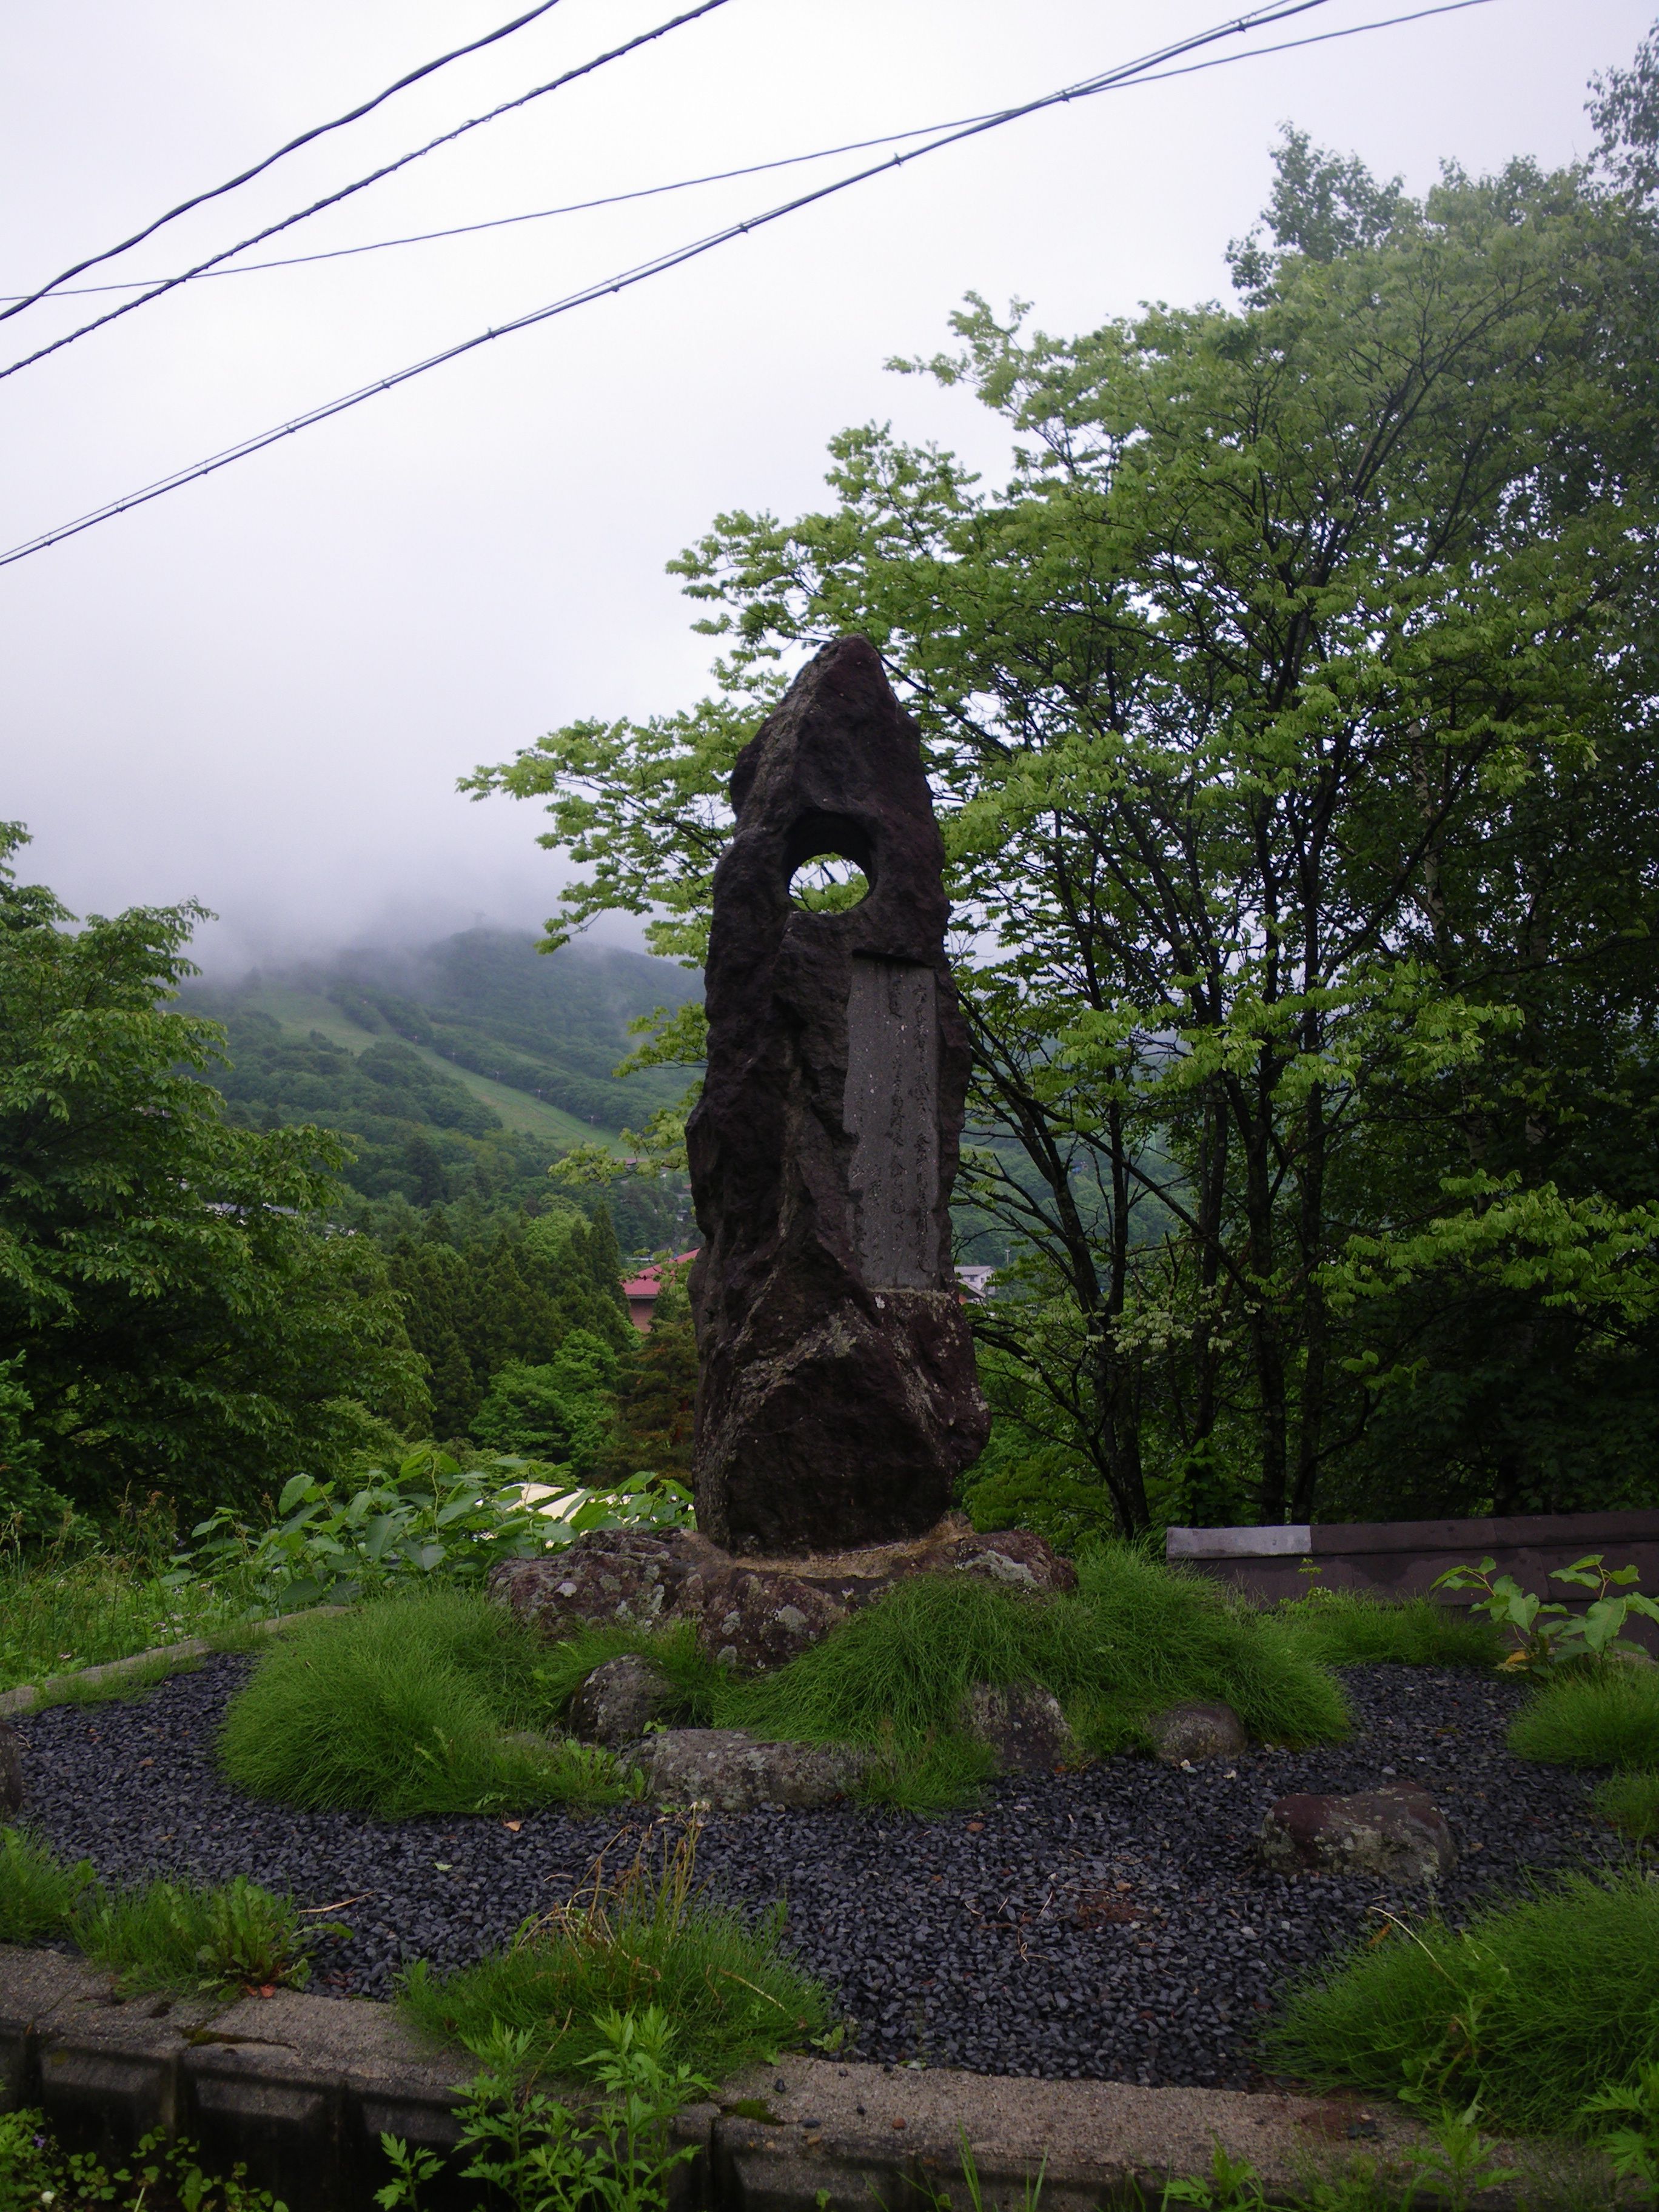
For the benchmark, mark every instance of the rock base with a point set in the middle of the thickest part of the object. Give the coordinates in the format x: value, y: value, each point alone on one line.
x: 1399, y: 1834
x: 11, y: 1773
x: 753, y: 1613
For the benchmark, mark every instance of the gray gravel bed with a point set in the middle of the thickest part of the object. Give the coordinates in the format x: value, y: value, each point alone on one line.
x: 1110, y: 1924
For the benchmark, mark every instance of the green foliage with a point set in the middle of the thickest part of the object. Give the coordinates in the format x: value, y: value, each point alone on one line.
x: 656, y: 1403
x: 335, y: 1542
x: 1291, y: 710
x: 181, y: 1936
x: 1634, y: 2147
x: 1533, y: 2008
x: 514, y: 1298
x: 646, y: 1934
x: 1545, y: 1636
x: 35, y: 2171
x: 1350, y: 1628
x: 612, y: 2155
x: 186, y: 1325
x: 1631, y: 1801
x: 163, y: 1933
x: 424, y: 1703
x: 1605, y: 1716
x: 560, y: 1410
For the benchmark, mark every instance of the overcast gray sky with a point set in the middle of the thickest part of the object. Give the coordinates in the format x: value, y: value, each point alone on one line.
x: 259, y: 690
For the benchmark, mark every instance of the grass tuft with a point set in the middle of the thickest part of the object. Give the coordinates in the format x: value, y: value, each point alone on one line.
x: 1532, y: 2009
x: 1605, y: 1716
x: 644, y: 1934
x: 414, y: 1704
x: 1350, y: 1628
x: 59, y: 1610
x: 38, y: 1894
x: 1631, y: 1802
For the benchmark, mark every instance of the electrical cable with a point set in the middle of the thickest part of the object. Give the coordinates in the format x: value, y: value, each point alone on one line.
x: 170, y: 284
x: 750, y: 169
x: 624, y: 280
x: 305, y: 139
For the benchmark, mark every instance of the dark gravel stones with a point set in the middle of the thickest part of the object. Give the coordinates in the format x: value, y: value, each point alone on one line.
x: 1113, y: 1922
x: 1399, y: 1834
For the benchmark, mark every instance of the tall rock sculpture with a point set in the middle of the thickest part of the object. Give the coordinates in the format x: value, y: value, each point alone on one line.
x: 837, y: 1399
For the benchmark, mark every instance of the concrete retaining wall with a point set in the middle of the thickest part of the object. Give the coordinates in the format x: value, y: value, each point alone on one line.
x: 300, y: 2089
x: 1402, y: 1558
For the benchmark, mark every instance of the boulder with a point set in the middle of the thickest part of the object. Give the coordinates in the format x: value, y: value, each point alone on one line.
x: 1193, y: 1730
x: 607, y: 1575
x: 11, y: 1773
x: 837, y: 1397
x: 732, y: 1771
x: 752, y: 1621
x: 1022, y: 1723
x: 1398, y: 1834
x: 754, y: 1613
x: 619, y: 1700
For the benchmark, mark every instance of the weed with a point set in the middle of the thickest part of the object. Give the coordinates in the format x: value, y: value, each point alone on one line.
x: 1350, y: 1628
x: 643, y: 1935
x: 40, y: 1896
x: 1533, y: 2008
x: 131, y: 1682
x: 1633, y: 2148
x: 1631, y: 1802
x: 1546, y: 1634
x: 1605, y: 1716
x: 36, y: 2171
x: 179, y: 1935
x: 407, y: 1706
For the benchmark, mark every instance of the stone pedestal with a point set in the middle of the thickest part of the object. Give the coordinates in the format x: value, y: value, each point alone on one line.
x: 838, y: 1401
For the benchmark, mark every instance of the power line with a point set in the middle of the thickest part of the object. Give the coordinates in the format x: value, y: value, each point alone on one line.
x: 168, y: 284
x: 305, y: 139
x: 750, y: 168
x: 660, y: 265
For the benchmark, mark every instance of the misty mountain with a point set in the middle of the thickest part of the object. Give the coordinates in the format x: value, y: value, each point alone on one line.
x: 476, y: 1052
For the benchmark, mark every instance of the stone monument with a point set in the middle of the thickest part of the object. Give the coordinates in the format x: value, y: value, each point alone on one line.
x: 838, y: 1399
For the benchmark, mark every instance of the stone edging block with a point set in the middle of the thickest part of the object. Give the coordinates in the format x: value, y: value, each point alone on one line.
x: 301, y: 2088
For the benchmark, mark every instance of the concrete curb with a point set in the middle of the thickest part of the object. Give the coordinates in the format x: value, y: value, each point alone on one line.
x: 301, y: 2088
x: 30, y: 1694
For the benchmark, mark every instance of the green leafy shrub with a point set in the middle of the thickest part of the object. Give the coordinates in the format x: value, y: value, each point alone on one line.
x: 1533, y: 2008
x: 36, y: 2171
x: 645, y: 1934
x: 1350, y: 1628
x: 1607, y: 1715
x: 416, y: 1704
x: 1544, y: 1635
x: 1631, y: 1802
x: 614, y: 2155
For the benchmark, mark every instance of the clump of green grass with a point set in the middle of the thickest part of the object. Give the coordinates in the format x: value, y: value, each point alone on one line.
x: 1350, y: 1628
x: 699, y: 1685
x: 1135, y: 1636
x: 646, y: 1934
x: 1600, y: 1715
x: 1533, y: 2008
x: 414, y: 1704
x: 40, y: 1896
x: 1631, y: 1802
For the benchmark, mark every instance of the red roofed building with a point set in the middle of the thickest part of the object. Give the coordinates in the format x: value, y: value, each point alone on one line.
x: 640, y: 1290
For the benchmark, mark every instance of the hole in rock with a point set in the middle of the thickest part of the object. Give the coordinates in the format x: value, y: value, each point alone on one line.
x: 829, y: 883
